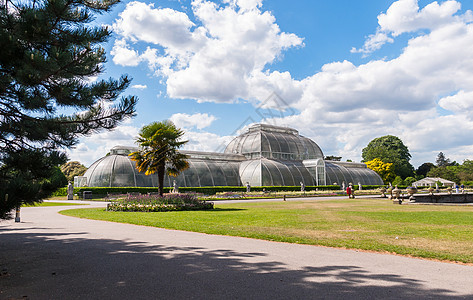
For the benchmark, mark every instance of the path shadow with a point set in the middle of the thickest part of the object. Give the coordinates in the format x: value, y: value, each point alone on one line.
x: 69, y: 266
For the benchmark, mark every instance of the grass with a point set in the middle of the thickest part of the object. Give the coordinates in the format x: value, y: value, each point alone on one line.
x: 427, y: 231
x: 53, y: 204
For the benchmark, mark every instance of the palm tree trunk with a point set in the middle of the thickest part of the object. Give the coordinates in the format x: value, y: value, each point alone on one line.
x: 161, y: 170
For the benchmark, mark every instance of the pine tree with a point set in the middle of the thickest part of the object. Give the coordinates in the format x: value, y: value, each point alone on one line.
x: 442, y: 161
x: 48, y: 53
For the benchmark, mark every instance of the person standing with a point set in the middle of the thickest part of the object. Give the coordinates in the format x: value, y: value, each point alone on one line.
x: 349, y: 190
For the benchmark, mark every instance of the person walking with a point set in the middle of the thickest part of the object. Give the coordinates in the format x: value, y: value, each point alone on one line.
x: 349, y: 190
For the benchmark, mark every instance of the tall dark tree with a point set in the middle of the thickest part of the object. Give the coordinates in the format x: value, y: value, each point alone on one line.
x: 390, y: 149
x: 423, y: 169
x: 48, y: 53
x: 158, y: 154
x: 443, y: 161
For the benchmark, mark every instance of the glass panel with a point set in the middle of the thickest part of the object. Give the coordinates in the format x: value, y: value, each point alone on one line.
x: 274, y: 143
x: 101, y: 173
x: 218, y: 175
x: 230, y: 170
x: 332, y: 177
x: 265, y: 145
x: 284, y: 143
x: 256, y: 176
x: 267, y: 179
x: 191, y: 176
x: 275, y: 172
x: 245, y: 143
x: 122, y: 172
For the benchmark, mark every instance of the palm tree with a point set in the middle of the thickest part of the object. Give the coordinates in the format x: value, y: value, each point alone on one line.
x: 158, y: 153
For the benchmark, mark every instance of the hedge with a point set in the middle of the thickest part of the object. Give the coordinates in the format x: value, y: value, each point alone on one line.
x: 103, y: 191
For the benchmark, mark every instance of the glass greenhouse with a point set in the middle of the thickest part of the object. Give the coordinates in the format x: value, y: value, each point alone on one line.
x: 263, y: 156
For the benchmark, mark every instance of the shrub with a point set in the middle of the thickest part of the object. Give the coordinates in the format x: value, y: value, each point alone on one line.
x: 156, y: 203
x: 398, y: 181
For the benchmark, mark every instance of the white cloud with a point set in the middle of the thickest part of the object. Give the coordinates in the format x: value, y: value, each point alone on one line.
x: 216, y: 61
x: 123, y: 55
x: 139, y: 86
x: 228, y: 56
x: 461, y: 102
x: 373, y: 43
x: 405, y: 16
x: 197, y: 120
x: 98, y: 145
x: 205, y: 141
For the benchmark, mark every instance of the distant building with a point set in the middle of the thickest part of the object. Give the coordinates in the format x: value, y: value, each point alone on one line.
x: 265, y: 155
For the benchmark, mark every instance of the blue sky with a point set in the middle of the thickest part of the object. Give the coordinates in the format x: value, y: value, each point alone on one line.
x: 340, y: 72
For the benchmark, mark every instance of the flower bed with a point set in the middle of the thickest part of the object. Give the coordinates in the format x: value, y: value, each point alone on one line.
x: 156, y: 203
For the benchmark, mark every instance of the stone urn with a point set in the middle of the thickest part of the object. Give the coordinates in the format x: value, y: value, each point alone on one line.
x: 383, y: 192
x: 411, y: 191
x: 396, y: 194
x: 449, y: 190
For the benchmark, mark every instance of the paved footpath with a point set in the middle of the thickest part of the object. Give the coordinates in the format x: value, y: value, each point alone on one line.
x: 50, y: 256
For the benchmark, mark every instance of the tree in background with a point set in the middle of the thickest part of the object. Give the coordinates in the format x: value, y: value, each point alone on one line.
x: 465, y: 171
x: 423, y: 169
x: 48, y: 53
x: 390, y: 149
x: 333, y: 158
x: 409, y: 181
x: 158, y: 154
x: 442, y: 161
x: 448, y: 173
x: 72, y: 169
x: 455, y: 172
x: 385, y: 170
x: 398, y: 181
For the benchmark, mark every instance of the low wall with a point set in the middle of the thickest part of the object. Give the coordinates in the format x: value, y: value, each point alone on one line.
x: 444, y: 198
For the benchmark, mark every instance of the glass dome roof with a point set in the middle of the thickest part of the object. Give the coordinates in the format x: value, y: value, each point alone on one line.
x: 116, y: 170
x: 275, y: 142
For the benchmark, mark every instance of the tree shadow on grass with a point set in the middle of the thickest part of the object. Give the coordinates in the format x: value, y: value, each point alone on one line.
x: 218, y: 209
x: 69, y: 266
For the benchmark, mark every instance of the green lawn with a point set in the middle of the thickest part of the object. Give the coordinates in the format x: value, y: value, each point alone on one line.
x: 437, y: 232
x: 54, y: 204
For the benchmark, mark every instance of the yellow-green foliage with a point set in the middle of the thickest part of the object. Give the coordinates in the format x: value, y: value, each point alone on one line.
x: 385, y: 170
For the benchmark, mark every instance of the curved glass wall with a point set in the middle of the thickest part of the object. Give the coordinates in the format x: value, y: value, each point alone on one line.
x: 268, y: 172
x: 274, y: 142
x: 339, y: 173
x: 115, y: 171
x: 120, y: 171
x: 206, y: 173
